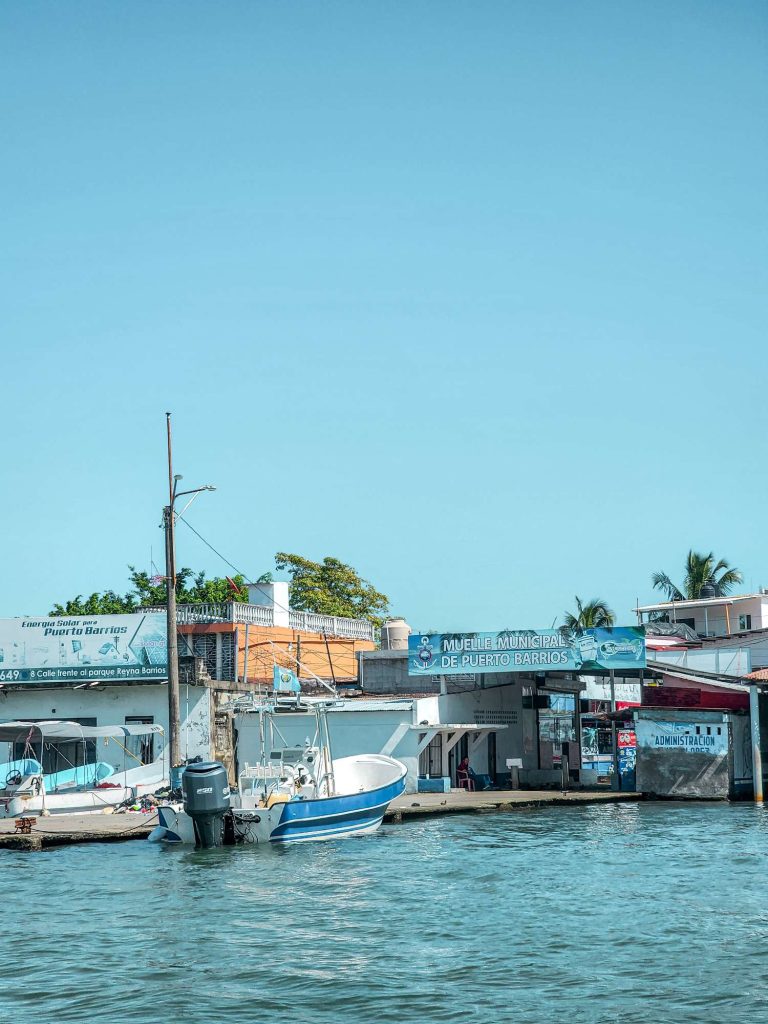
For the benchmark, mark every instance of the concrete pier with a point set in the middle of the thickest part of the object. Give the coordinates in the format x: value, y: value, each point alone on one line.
x: 70, y: 829
x: 418, y: 805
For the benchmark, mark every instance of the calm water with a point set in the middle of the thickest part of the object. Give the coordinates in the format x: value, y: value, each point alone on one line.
x: 625, y: 913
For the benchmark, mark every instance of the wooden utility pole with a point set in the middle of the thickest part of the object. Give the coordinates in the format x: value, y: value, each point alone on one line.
x: 174, y: 725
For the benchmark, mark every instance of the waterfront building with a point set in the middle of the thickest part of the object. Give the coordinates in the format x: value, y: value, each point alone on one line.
x: 112, y: 670
x: 514, y: 727
x: 737, y: 620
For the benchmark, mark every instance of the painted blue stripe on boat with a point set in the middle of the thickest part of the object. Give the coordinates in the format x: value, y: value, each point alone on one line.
x: 309, y: 814
x: 297, y: 835
x: 329, y: 821
x: 335, y: 815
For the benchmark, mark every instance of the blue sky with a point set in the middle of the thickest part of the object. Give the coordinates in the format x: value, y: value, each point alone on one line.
x: 472, y: 296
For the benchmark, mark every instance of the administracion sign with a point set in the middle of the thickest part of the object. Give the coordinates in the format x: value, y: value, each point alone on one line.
x: 80, y: 648
x: 527, y: 650
x: 690, y: 737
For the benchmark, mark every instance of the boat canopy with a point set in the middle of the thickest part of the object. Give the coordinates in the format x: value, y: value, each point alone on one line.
x: 12, y: 732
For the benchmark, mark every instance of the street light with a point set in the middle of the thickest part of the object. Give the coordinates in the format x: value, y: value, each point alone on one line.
x: 169, y: 522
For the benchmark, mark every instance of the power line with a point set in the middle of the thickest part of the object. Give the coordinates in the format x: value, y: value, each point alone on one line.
x: 248, y: 581
x: 213, y: 549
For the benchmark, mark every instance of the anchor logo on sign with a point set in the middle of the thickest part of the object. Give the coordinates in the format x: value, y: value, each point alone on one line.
x: 425, y: 653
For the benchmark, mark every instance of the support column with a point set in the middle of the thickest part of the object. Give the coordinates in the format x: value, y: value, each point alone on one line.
x: 615, y: 775
x: 757, y: 756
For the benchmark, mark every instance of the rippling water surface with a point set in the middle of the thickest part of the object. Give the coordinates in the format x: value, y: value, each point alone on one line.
x: 652, y: 912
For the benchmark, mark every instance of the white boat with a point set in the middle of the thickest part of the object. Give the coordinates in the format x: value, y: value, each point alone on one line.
x: 294, y: 794
x: 82, y: 789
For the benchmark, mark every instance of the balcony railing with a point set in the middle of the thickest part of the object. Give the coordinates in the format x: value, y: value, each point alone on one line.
x: 261, y: 615
x: 333, y: 625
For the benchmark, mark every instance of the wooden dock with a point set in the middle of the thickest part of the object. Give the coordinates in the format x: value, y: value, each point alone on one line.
x: 70, y: 829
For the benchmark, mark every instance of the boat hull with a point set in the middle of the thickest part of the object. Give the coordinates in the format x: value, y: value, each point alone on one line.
x: 297, y: 821
x: 334, y: 817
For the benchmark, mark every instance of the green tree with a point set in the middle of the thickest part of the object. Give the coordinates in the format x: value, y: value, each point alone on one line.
x: 700, y: 570
x: 331, y: 588
x: 191, y: 588
x: 593, y: 614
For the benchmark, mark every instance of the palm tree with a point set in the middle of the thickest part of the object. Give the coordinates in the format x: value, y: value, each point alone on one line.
x: 594, y: 613
x: 700, y: 570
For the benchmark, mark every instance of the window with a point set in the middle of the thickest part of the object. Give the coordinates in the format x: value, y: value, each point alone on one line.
x: 745, y: 622
x: 142, y: 747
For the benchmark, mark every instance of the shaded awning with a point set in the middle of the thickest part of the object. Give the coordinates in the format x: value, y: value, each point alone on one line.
x: 453, y: 733
x: 13, y: 732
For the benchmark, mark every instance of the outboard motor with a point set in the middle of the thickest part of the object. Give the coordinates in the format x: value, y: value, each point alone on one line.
x: 205, y: 789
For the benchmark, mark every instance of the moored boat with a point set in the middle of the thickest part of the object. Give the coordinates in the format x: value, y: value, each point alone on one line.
x: 294, y: 794
x: 90, y: 787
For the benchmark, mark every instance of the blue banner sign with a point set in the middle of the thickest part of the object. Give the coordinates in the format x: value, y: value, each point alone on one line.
x: 526, y: 650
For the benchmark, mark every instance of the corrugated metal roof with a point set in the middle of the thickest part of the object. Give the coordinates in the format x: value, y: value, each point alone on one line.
x: 699, y: 603
x: 361, y: 704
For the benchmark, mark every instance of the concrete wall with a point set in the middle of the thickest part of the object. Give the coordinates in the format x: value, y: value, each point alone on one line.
x: 683, y: 754
x: 371, y: 726
x: 716, y: 621
x: 111, y: 705
x: 387, y: 672
x: 352, y: 731
x: 500, y: 706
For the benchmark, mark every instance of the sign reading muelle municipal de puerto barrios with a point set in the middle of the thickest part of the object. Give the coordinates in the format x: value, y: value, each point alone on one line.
x: 526, y: 650
x: 82, y: 647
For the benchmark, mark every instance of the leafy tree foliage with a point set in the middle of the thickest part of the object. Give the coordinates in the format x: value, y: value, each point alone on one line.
x: 593, y: 614
x: 191, y: 588
x: 331, y: 588
x: 700, y: 570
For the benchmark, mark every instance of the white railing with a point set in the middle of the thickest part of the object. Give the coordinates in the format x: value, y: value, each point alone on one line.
x: 229, y: 611
x: 333, y: 625
x: 263, y: 615
x: 189, y: 614
x: 255, y: 614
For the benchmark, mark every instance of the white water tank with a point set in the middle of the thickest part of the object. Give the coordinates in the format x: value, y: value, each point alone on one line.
x: 394, y: 635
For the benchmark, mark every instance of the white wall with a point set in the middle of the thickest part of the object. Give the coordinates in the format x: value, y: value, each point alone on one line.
x: 110, y: 706
x: 387, y: 729
x: 716, y: 621
x: 352, y: 732
x: 500, y: 705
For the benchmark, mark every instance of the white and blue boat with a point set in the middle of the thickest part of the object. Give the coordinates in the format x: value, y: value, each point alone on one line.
x: 87, y: 788
x: 297, y: 794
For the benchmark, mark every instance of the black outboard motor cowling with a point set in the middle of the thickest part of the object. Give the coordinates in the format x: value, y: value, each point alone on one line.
x: 205, y: 790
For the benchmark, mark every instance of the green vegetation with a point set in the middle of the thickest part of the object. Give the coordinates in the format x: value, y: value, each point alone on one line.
x: 329, y: 588
x: 332, y: 588
x: 700, y: 570
x: 590, y: 615
x: 191, y: 588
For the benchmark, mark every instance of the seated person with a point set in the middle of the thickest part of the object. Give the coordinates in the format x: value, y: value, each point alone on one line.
x: 465, y: 775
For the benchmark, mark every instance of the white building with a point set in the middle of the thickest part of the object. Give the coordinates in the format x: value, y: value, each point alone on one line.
x: 428, y: 734
x: 714, y: 616
x: 115, y: 704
